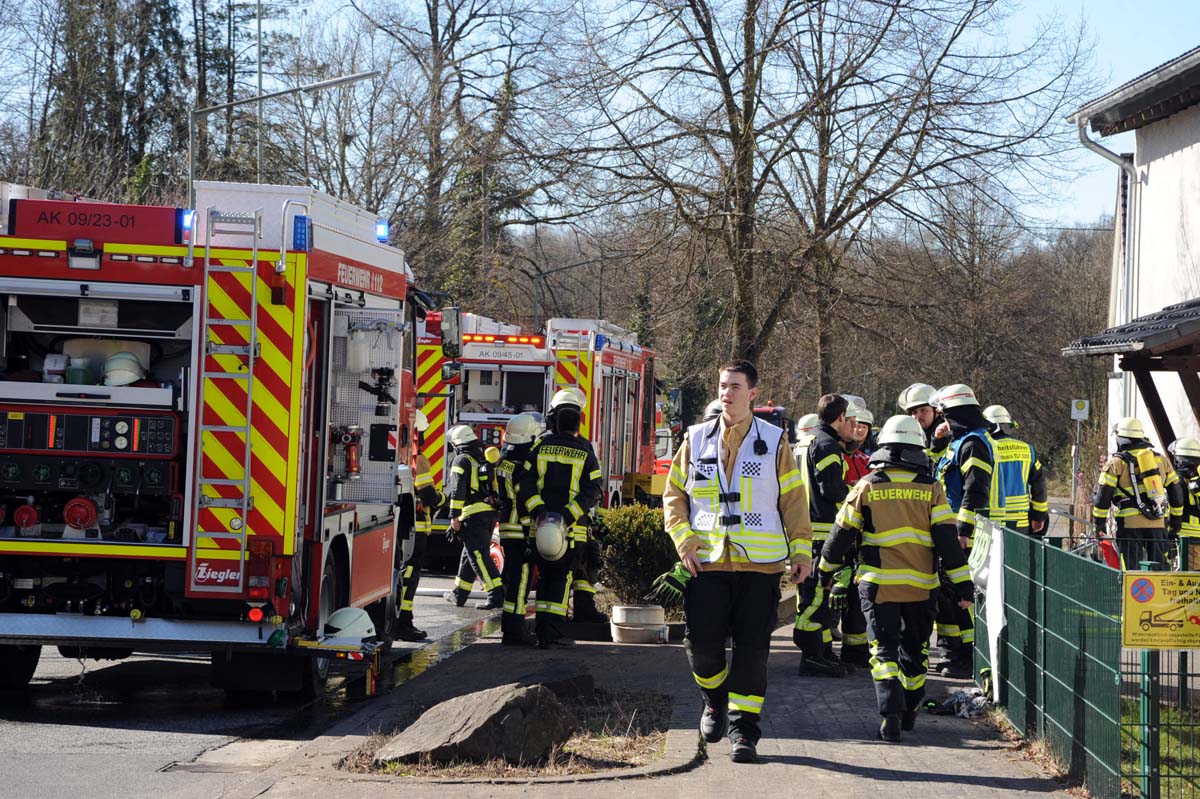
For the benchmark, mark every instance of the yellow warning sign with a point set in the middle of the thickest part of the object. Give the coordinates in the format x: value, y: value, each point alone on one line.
x: 1161, y: 610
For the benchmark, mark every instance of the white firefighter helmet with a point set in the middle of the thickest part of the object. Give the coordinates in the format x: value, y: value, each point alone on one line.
x: 521, y: 429
x: 902, y: 430
x: 461, y: 434
x: 1186, y: 448
x: 915, y: 396
x: 998, y: 414
x: 864, y: 417
x: 1129, y: 427
x: 550, y: 536
x: 809, y: 421
x: 350, y: 623
x: 420, y: 422
x: 712, y: 410
x: 854, y: 404
x: 568, y: 396
x: 123, y: 368
x: 956, y: 395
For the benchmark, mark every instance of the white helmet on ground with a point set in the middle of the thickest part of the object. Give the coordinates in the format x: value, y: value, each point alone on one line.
x: 915, y: 396
x: 902, y: 430
x: 568, y: 396
x: 550, y: 536
x: 521, y: 429
x: 956, y: 395
x: 461, y: 434
x: 1129, y: 427
x: 998, y: 414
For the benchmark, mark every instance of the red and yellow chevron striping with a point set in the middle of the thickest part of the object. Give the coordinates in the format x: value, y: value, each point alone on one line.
x: 274, y: 413
x: 575, y: 369
x: 429, y: 382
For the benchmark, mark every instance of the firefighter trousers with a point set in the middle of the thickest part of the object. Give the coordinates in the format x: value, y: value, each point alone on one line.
x: 553, y: 591
x: 812, y: 633
x: 955, y: 625
x: 743, y: 606
x: 515, y: 576
x: 412, y: 574
x: 1143, y: 543
x: 854, y: 627
x: 899, y: 634
x: 476, y: 560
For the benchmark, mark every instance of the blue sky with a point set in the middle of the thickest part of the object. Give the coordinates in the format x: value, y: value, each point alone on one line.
x: 1129, y: 38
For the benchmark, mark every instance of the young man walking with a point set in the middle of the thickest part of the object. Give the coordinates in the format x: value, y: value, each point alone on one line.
x: 736, y: 510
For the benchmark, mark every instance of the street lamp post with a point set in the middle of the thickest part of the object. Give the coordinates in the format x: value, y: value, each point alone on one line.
x: 196, y: 114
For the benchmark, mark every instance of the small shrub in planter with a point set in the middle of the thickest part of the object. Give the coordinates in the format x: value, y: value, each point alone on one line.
x: 637, y: 549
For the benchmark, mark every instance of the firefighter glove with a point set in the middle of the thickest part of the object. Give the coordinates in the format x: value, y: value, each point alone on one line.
x: 668, y: 588
x: 839, y: 594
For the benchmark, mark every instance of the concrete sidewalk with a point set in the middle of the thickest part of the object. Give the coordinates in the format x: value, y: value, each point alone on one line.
x: 818, y: 737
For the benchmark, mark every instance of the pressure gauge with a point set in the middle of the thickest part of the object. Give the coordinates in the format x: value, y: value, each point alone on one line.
x: 122, y: 427
x: 121, y: 442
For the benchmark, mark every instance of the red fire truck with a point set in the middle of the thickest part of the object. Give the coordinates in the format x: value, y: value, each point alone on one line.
x: 616, y: 375
x: 205, y: 425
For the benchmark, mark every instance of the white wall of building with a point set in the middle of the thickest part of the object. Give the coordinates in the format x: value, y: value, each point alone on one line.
x: 1165, y: 238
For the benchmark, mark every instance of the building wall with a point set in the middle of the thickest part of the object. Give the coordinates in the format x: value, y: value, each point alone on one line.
x: 1165, y: 236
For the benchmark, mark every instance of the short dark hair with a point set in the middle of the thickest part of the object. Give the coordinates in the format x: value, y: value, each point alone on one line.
x: 567, y: 419
x: 831, y: 406
x: 744, y: 367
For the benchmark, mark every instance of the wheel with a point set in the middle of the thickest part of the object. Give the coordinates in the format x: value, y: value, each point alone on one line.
x: 385, y: 613
x: 326, y: 607
x: 17, y: 665
x: 1146, y: 626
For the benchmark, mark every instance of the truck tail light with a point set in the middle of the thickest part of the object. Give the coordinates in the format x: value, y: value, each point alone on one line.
x: 258, y: 570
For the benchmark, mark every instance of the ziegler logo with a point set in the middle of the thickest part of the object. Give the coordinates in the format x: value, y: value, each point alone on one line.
x: 222, y: 576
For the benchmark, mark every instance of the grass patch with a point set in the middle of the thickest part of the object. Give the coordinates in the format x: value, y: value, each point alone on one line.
x: 1178, y: 751
x: 615, y: 729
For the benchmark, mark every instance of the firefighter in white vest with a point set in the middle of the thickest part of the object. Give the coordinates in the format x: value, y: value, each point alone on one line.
x: 736, y: 510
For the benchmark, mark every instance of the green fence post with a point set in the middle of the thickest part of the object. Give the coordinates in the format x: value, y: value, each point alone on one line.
x: 1148, y: 717
x: 1182, y: 681
x: 1041, y: 627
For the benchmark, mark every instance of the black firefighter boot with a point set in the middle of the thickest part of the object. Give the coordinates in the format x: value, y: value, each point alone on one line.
x: 585, y: 609
x: 512, y: 629
x: 405, y: 630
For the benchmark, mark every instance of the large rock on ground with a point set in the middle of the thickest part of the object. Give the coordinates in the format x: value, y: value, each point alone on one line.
x: 520, y: 724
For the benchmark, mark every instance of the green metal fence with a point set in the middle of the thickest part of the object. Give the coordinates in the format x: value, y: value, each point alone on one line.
x: 1125, y: 722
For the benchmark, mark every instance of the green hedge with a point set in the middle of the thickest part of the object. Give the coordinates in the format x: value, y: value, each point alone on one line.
x: 637, y: 549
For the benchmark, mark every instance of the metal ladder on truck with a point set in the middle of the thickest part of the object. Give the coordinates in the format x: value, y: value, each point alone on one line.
x: 234, y: 368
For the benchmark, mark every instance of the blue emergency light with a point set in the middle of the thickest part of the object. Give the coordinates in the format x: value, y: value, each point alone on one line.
x: 381, y: 231
x: 302, y: 233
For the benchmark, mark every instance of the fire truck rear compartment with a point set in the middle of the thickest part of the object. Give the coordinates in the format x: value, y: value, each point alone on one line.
x: 82, y: 460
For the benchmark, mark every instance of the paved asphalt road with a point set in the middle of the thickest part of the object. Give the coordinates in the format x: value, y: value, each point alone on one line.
x: 130, y: 728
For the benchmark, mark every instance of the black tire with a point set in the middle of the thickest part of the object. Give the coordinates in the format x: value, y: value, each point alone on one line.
x: 17, y: 665
x: 327, y: 604
x: 385, y: 613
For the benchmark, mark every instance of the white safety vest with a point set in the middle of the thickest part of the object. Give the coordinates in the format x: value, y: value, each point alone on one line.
x: 741, y: 514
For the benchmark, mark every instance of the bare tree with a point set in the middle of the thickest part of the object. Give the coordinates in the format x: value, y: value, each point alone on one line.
x: 802, y: 119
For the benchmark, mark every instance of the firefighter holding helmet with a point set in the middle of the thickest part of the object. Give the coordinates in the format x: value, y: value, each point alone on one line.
x: 558, y: 487
x: 519, y: 435
x: 473, y: 516
x: 1146, y: 493
x: 898, y: 519
x: 429, y: 499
